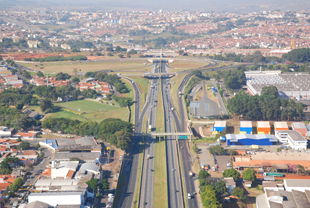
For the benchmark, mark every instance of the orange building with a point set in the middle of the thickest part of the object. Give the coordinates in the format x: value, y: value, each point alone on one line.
x: 263, y: 127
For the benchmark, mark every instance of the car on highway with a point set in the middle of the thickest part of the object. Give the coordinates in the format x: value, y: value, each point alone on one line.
x: 189, y: 196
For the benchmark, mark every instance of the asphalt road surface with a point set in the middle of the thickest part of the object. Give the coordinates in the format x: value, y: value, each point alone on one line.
x: 147, y: 186
x: 132, y: 160
x: 175, y: 197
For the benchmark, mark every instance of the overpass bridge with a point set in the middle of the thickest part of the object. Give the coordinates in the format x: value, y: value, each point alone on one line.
x: 158, y: 75
x: 165, y: 134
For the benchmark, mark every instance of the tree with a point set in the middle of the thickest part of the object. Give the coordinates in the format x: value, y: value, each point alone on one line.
x: 93, y: 183
x: 203, y: 174
x: 220, y: 188
x: 249, y: 175
x: 75, y: 71
x: 104, y: 184
x: 216, y: 150
x: 24, y: 145
x: 221, y: 91
x: 121, y: 55
x: 195, y: 148
x: 209, y: 199
x: 26, y: 74
x: 18, y: 182
x: 40, y: 74
x: 239, y: 192
x: 37, y: 145
x: 75, y: 80
x: 1, y: 59
x: 45, y: 104
x: 62, y: 76
x: 197, y: 73
x: 231, y: 173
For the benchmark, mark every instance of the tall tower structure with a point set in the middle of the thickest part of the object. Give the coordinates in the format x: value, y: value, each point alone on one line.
x: 293, y: 44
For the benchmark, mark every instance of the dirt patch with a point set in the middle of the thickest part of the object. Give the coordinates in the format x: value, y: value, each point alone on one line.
x: 212, y: 96
x: 199, y: 94
x: 207, y: 130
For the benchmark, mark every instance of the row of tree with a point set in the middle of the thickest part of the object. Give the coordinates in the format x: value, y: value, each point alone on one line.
x: 267, y: 106
x: 57, y: 58
x: 114, y: 131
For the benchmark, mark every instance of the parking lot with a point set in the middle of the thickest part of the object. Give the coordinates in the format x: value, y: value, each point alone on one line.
x: 222, y: 162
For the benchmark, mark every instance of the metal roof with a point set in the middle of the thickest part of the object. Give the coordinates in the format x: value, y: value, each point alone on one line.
x: 297, y: 183
x: 236, y: 137
x: 219, y: 123
x: 280, y: 125
x: 90, y: 167
x: 246, y: 124
x: 298, y: 125
x: 263, y: 124
x: 293, y: 134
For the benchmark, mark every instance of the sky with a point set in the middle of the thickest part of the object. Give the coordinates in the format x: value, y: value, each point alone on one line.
x: 201, y: 5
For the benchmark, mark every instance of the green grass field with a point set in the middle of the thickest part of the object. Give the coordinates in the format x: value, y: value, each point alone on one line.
x: 175, y: 84
x: 130, y: 94
x: 160, y: 176
x: 160, y: 120
x: 181, y: 65
x: 92, y: 110
x: 143, y: 85
x: 68, y: 66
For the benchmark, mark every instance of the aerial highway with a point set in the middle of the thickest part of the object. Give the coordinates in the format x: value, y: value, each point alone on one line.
x: 175, y: 196
x: 147, y: 186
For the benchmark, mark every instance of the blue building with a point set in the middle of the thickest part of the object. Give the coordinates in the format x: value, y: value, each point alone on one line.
x: 250, y: 139
x: 219, y: 126
x: 246, y: 127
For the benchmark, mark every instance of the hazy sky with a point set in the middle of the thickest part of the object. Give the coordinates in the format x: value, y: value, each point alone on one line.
x: 206, y: 5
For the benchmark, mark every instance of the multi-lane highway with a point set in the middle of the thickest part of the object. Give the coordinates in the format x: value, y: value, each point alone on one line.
x: 175, y: 196
x: 147, y: 186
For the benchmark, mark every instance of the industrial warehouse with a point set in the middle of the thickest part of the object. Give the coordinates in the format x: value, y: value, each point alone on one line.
x: 289, y: 85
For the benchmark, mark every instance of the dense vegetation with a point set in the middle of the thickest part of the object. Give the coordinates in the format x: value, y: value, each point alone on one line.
x: 212, y: 190
x: 267, y: 106
x: 8, y: 43
x: 114, y: 131
x: 298, y: 55
x: 57, y: 58
x: 255, y: 58
x: 235, y: 79
x: 14, y: 118
x: 63, y: 92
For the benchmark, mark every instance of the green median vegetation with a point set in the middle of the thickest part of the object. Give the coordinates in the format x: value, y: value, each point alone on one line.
x: 160, y: 176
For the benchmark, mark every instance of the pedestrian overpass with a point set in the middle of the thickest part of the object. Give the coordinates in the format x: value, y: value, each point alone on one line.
x: 179, y: 135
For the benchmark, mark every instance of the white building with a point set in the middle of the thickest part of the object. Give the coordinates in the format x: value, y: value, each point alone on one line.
x: 58, y: 198
x: 5, y: 131
x: 64, y: 170
x: 296, y: 194
x: 293, y: 138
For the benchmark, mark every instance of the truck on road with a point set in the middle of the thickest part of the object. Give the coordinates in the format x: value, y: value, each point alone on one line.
x: 273, y: 174
x: 148, y: 156
x: 190, y: 173
x: 150, y: 127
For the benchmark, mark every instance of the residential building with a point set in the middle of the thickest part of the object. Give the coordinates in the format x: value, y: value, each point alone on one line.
x: 5, y: 131
x: 230, y: 184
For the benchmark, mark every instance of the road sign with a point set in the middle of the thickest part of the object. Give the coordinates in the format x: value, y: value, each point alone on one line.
x: 182, y: 137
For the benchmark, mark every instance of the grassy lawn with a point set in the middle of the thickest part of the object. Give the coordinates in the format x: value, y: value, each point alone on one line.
x: 175, y: 83
x: 160, y: 120
x: 143, y: 85
x: 205, y: 140
x: 130, y: 94
x: 92, y: 110
x: 68, y: 66
x: 137, y: 192
x: 160, y: 176
x: 181, y: 65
